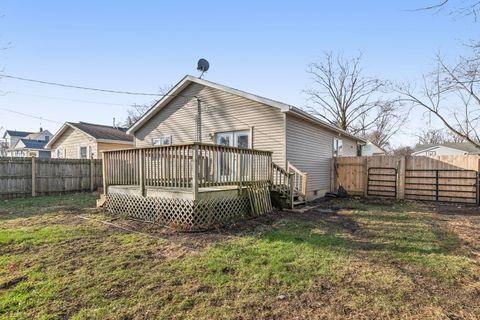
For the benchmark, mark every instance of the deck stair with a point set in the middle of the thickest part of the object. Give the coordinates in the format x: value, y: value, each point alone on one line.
x: 290, y: 184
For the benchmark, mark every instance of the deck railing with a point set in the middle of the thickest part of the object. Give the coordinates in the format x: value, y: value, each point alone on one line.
x: 186, y: 166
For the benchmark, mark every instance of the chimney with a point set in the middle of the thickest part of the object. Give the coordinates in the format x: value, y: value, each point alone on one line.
x: 41, y: 129
x: 114, y: 122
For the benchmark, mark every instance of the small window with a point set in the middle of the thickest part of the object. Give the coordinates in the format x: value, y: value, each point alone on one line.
x: 60, y: 153
x: 83, y: 152
x: 162, y: 141
x: 337, y: 147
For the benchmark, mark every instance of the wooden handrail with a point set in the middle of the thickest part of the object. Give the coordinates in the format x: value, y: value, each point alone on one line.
x: 194, y: 166
x: 192, y: 144
x: 300, y: 180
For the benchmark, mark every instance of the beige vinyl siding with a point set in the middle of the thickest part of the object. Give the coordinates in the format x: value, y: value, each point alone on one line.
x: 71, y: 141
x: 310, y: 149
x: 103, y: 146
x: 221, y: 112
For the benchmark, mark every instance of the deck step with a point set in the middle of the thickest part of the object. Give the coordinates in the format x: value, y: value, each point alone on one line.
x: 298, y: 202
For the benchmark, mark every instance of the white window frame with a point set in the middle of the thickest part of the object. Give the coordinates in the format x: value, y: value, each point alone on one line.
x: 165, y: 140
x: 337, y: 148
x: 80, y: 152
x: 233, y: 136
x: 60, y: 153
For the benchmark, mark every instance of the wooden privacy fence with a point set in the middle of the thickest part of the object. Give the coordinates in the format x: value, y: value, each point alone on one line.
x: 22, y: 177
x: 436, y: 178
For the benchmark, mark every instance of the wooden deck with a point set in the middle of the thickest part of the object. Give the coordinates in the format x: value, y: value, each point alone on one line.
x: 190, y: 186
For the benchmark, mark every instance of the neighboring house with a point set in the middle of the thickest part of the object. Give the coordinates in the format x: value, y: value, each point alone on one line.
x: 87, y: 140
x: 27, y: 144
x: 240, y: 119
x: 29, y: 148
x: 11, y: 137
x: 445, y: 149
x: 371, y: 149
x: 42, y: 135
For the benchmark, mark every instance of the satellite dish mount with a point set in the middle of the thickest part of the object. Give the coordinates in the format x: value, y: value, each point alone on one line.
x: 202, y: 66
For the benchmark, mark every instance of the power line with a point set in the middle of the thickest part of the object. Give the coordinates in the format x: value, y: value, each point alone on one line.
x: 29, y: 115
x: 83, y: 88
x: 74, y: 100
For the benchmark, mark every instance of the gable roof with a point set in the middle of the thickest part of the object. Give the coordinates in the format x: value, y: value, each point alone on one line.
x: 35, y: 135
x: 15, y: 133
x: 283, y: 107
x: 463, y: 146
x: 99, y: 132
x: 31, y: 144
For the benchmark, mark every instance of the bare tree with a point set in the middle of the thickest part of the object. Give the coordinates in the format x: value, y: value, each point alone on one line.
x: 432, y: 136
x: 138, y: 110
x: 469, y: 8
x: 344, y: 97
x: 452, y: 94
x: 402, y: 151
x: 135, y: 112
x: 390, y: 120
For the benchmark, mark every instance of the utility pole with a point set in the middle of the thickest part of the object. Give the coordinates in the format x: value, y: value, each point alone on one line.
x: 199, y: 120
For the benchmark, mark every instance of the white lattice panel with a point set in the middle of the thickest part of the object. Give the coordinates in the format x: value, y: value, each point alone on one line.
x: 179, y: 213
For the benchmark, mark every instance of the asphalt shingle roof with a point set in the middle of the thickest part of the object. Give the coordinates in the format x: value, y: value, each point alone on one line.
x: 103, y: 132
x: 33, y: 144
x: 16, y: 133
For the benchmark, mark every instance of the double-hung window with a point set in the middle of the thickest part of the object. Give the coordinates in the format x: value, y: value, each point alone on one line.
x: 83, y: 153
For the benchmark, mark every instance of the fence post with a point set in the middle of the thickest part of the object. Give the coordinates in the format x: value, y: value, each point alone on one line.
x: 141, y: 159
x: 104, y: 172
x: 365, y: 177
x: 401, y: 178
x: 195, y: 172
x: 333, y: 176
x: 478, y: 182
x: 34, y: 178
x: 436, y: 185
x: 92, y: 175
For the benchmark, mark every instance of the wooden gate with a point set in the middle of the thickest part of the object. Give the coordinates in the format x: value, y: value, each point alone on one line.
x: 382, y: 182
x: 442, y: 185
x: 436, y: 178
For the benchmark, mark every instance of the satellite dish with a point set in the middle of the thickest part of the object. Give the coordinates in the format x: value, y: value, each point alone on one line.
x: 203, y: 66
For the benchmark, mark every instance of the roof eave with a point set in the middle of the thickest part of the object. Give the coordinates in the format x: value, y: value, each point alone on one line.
x: 114, y: 141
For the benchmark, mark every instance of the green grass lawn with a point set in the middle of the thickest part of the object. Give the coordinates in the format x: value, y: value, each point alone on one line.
x: 348, y: 259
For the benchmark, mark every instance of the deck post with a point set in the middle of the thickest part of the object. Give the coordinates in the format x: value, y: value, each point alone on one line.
x: 34, y: 178
x: 291, y: 187
x: 195, y: 172
x: 92, y: 175
x: 141, y: 159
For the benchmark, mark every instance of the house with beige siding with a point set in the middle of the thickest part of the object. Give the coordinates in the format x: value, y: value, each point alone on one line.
x: 197, y: 110
x: 84, y: 140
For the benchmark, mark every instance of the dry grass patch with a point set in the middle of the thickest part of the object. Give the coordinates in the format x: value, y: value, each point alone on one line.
x: 357, y: 260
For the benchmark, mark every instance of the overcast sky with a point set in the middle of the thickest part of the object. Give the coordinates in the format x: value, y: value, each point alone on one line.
x: 263, y: 48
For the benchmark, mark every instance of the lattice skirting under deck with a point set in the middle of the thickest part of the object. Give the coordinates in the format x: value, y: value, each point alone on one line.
x: 179, y: 213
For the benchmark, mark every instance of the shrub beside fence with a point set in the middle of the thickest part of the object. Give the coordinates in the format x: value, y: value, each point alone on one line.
x: 24, y: 177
